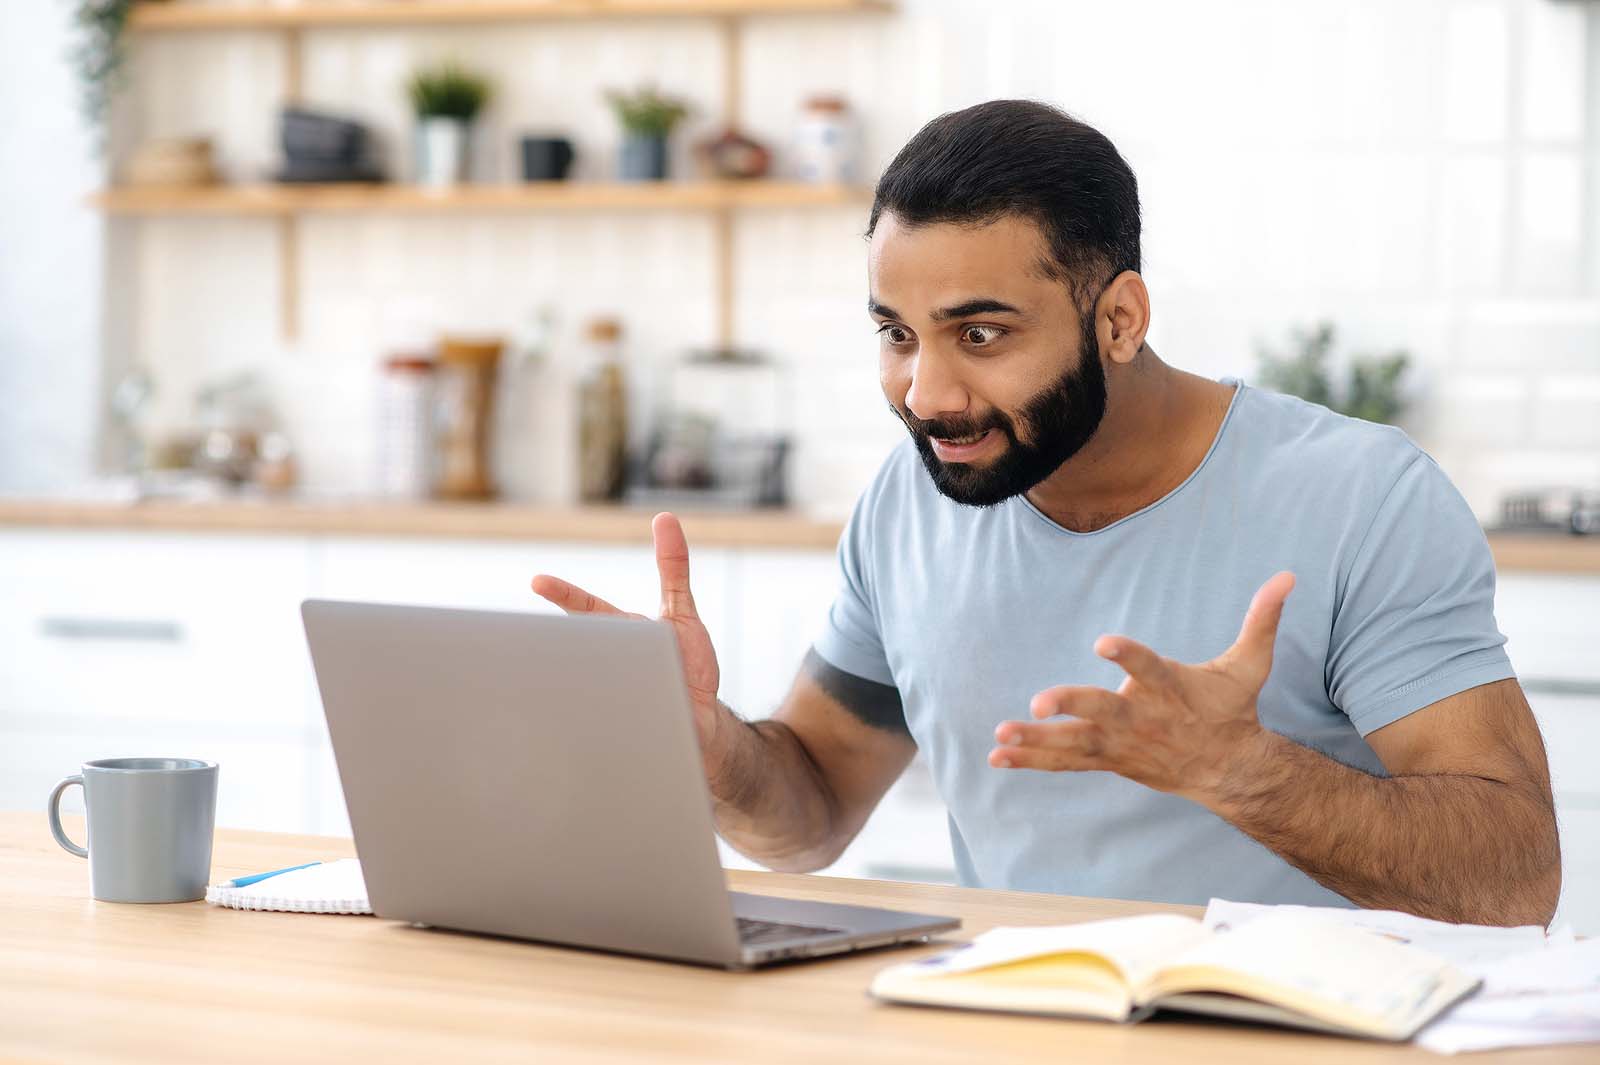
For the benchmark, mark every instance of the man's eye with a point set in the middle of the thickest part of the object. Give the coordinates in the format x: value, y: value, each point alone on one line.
x: 894, y: 334
x: 979, y: 335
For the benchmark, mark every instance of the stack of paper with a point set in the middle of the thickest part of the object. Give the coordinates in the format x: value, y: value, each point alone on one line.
x: 1537, y: 989
x: 1463, y: 944
x: 1531, y: 999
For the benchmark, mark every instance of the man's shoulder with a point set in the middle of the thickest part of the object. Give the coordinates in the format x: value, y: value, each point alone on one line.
x: 1307, y: 448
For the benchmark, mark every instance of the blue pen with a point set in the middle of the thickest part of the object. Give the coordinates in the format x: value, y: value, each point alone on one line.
x: 246, y: 881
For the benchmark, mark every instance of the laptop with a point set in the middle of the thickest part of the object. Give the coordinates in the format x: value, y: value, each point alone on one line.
x: 538, y: 777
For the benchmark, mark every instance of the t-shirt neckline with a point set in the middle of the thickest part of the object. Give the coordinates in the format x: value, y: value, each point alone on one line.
x: 1216, y: 441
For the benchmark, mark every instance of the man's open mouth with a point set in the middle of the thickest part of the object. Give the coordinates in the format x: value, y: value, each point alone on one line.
x: 961, y: 447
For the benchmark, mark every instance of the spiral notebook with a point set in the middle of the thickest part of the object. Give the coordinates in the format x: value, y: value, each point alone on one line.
x: 332, y: 887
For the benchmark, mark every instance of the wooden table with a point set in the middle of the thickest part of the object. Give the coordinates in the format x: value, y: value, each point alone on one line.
x: 84, y: 981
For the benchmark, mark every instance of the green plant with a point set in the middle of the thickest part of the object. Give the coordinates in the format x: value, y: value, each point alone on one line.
x: 448, y: 91
x: 645, y: 112
x: 98, y: 53
x: 1371, y: 392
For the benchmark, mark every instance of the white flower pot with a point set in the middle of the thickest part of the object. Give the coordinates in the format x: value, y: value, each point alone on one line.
x: 441, y: 152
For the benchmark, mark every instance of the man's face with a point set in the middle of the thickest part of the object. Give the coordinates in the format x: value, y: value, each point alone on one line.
x: 992, y: 368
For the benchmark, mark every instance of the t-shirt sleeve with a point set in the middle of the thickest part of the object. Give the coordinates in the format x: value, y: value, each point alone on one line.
x: 851, y: 640
x: 1414, y: 622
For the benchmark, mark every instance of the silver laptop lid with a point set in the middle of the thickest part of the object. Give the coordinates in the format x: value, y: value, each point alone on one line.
x: 524, y: 775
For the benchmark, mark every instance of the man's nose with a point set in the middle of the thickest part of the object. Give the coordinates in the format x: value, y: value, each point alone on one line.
x: 935, y: 390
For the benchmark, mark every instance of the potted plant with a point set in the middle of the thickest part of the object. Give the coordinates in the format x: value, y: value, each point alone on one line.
x: 98, y: 53
x: 647, y: 119
x: 446, y: 99
x: 1373, y: 389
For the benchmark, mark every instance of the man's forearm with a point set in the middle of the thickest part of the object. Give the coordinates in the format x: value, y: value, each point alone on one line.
x: 1449, y: 846
x: 769, y: 798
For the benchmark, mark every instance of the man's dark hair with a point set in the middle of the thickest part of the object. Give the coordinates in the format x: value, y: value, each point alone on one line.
x: 1019, y: 157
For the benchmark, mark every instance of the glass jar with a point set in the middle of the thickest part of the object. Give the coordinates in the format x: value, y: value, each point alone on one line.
x: 465, y: 409
x: 405, y: 428
x: 826, y: 142
x: 602, y: 415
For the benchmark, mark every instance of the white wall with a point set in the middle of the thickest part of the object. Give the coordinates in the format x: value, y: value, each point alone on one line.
x: 50, y: 257
x: 1424, y: 172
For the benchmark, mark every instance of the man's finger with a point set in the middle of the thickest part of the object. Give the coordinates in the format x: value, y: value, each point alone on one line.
x: 1251, y: 653
x: 1137, y: 660
x: 571, y: 598
x: 1041, y: 758
x: 1080, y: 737
x: 1079, y: 700
x: 672, y: 561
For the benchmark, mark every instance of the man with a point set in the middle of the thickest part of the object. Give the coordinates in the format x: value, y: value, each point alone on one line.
x: 1363, y: 742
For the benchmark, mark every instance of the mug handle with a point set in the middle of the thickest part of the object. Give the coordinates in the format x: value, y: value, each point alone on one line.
x: 54, y: 808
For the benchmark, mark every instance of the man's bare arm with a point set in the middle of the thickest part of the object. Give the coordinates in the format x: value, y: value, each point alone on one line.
x: 791, y: 792
x: 1462, y: 830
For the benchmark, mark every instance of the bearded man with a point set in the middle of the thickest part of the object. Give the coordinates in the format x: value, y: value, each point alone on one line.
x: 1364, y: 742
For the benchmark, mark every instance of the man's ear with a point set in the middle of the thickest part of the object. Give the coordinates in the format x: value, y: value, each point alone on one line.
x: 1122, y: 315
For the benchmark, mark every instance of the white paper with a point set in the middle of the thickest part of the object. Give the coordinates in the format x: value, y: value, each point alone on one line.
x: 1466, y: 945
x: 1537, y: 989
x: 1532, y: 999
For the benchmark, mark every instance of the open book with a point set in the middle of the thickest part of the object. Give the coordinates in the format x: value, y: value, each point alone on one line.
x: 1283, y: 968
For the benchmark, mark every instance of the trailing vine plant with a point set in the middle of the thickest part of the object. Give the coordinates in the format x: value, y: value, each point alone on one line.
x: 98, y: 54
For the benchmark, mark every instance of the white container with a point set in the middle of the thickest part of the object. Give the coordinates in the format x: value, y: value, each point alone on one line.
x: 441, y: 152
x: 827, y: 142
x: 406, y: 429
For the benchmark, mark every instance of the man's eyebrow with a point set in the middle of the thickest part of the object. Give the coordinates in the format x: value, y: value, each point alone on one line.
x: 981, y: 305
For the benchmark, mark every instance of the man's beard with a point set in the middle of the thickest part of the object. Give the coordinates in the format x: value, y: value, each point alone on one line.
x: 1059, y: 421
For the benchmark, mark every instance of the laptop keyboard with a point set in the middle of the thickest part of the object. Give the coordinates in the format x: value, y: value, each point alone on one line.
x: 753, y: 932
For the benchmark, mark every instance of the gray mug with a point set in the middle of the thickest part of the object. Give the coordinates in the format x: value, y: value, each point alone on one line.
x: 150, y: 825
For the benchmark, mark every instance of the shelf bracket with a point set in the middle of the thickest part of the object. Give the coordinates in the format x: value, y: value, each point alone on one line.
x: 289, y: 223
x: 293, y: 75
x: 732, y: 72
x: 289, y: 277
x: 722, y: 217
x: 723, y: 255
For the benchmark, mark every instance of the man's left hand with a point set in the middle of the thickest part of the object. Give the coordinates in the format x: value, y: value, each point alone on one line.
x: 1171, y: 726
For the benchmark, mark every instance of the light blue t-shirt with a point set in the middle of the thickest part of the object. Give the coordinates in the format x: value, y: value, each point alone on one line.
x: 969, y: 612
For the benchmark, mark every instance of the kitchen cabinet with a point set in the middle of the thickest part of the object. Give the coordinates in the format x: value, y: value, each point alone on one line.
x: 129, y: 643
x: 147, y: 630
x: 1552, y: 628
x: 114, y: 645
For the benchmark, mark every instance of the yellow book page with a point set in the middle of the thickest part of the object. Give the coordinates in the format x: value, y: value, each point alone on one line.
x: 1080, y: 985
x: 1084, y: 969
x: 1338, y: 975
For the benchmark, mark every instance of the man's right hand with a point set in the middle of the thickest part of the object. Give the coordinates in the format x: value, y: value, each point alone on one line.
x: 699, y: 658
x: 790, y: 792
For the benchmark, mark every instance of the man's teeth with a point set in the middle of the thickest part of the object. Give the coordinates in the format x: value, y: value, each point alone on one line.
x: 961, y: 441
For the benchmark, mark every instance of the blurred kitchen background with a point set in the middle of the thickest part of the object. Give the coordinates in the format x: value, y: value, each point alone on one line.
x: 615, y: 262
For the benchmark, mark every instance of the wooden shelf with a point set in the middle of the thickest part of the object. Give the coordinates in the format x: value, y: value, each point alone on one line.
x: 287, y: 203
x: 183, y: 15
x: 279, y: 200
